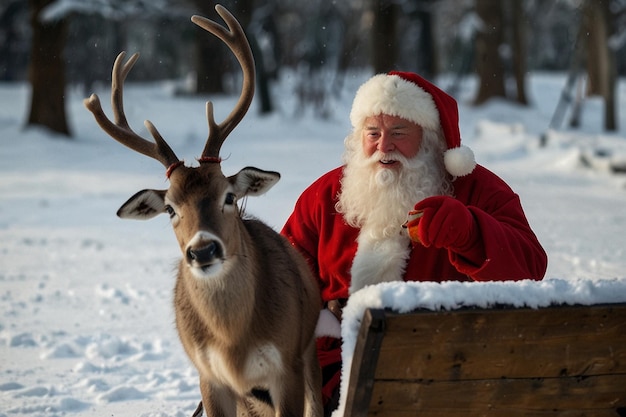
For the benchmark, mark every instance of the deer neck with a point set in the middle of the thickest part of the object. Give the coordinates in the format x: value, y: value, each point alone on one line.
x: 224, y: 303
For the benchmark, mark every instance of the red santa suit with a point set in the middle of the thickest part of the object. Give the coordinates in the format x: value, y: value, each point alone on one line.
x: 512, y: 251
x: 504, y: 248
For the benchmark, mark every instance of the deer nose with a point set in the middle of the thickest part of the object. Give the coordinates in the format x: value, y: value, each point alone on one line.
x: 199, y: 256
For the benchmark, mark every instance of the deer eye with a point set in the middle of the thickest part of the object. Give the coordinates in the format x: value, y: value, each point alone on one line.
x: 170, y: 210
x: 230, y: 199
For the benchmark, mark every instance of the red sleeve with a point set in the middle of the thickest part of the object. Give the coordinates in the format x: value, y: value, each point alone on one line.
x: 507, y: 243
x: 321, y: 235
x: 300, y: 231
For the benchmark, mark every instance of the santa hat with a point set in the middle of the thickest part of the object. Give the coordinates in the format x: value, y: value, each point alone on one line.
x: 411, y: 97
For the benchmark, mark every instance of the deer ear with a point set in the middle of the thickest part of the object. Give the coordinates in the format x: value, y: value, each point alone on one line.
x: 253, y: 181
x: 144, y: 205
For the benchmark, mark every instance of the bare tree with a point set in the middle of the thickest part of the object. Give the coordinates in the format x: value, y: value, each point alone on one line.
x: 210, y: 71
x: 427, y: 62
x: 208, y: 80
x: 601, y: 67
x: 501, y: 50
x: 47, y: 70
x: 488, y: 40
x: 384, y: 35
x: 519, y: 48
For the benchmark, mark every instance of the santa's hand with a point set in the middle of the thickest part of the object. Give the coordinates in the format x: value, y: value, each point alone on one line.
x: 442, y: 222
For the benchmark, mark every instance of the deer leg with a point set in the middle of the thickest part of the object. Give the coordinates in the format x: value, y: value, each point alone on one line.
x: 290, y: 398
x: 313, y: 406
x: 217, y: 401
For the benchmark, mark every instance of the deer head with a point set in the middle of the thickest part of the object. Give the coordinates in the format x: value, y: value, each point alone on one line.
x: 201, y: 201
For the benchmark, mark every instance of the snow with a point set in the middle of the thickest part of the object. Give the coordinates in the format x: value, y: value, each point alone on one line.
x: 86, y: 316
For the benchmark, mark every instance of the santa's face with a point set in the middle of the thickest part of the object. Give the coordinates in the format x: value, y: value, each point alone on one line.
x: 379, y: 187
x: 387, y: 135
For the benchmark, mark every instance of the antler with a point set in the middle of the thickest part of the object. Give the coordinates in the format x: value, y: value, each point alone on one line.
x: 235, y: 38
x: 120, y: 130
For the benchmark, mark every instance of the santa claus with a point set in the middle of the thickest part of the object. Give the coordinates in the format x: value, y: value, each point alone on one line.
x: 409, y: 203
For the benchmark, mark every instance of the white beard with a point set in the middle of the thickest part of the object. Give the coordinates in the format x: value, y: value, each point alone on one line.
x: 377, y: 200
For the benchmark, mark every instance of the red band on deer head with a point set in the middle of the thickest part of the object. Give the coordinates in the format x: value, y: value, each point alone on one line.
x: 172, y: 167
x: 210, y: 159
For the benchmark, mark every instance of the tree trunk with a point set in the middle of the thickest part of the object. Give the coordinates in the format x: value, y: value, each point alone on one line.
x: 47, y: 71
x: 262, y: 79
x: 488, y: 40
x: 427, y: 61
x: 520, y: 50
x: 600, y: 58
x: 213, y: 58
x: 384, y: 35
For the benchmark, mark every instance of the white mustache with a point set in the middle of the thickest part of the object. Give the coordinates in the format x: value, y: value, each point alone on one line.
x: 390, y: 156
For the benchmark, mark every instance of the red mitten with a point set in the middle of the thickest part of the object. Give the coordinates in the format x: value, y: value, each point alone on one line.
x: 442, y: 222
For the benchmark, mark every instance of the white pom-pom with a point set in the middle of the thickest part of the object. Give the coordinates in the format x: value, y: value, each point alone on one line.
x: 459, y: 161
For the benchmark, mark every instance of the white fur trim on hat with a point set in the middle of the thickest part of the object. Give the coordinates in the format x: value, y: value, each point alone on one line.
x: 459, y: 161
x: 395, y: 96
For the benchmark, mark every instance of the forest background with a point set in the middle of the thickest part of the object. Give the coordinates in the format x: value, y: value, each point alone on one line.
x: 60, y: 44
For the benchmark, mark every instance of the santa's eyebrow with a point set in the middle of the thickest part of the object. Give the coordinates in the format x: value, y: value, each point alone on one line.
x: 394, y: 127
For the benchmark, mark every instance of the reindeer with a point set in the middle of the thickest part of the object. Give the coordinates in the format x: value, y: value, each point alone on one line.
x: 246, y: 302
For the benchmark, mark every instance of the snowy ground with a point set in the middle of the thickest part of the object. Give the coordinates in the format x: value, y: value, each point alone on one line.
x: 86, y: 323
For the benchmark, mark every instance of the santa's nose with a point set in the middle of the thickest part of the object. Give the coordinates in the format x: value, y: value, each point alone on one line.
x: 385, y: 143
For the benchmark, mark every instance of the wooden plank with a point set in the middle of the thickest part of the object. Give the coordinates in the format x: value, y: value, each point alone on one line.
x: 364, y: 362
x: 558, y: 361
x: 501, y: 413
x: 506, y: 397
x: 504, y: 343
